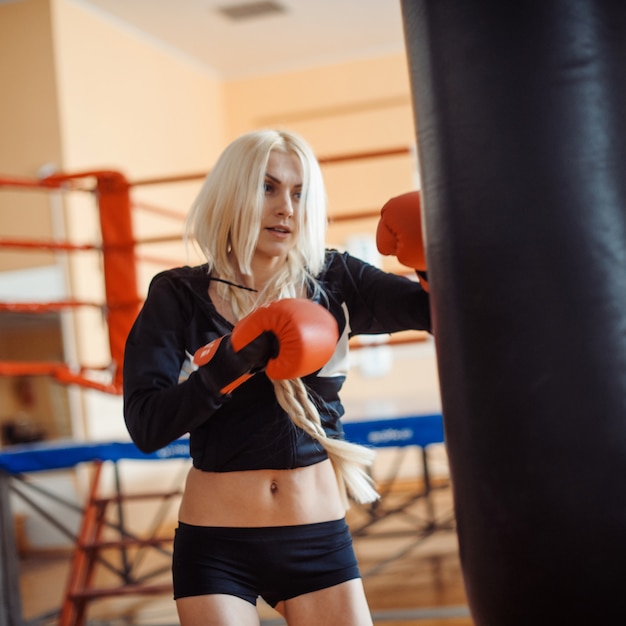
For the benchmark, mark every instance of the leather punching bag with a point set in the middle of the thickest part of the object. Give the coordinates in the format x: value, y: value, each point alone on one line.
x: 520, y: 111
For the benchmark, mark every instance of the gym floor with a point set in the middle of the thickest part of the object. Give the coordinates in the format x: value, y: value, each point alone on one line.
x: 409, y: 562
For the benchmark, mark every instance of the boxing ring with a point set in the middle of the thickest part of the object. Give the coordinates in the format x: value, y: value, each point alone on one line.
x: 103, y: 526
x: 103, y: 529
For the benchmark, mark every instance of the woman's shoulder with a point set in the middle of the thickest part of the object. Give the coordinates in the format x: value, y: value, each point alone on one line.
x: 196, y: 277
x: 180, y: 286
x: 180, y: 291
x: 337, y: 264
x: 333, y: 259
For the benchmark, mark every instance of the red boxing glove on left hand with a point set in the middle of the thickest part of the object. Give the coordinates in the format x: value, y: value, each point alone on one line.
x: 288, y: 338
x: 306, y: 333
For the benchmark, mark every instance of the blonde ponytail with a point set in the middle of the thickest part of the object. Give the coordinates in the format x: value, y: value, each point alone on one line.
x: 349, y: 460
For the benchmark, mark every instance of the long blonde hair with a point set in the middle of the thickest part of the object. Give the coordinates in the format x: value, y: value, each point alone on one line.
x: 225, y: 222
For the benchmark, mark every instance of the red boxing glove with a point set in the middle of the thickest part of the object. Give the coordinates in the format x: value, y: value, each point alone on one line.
x: 223, y: 369
x: 288, y: 338
x: 306, y: 332
x: 399, y: 230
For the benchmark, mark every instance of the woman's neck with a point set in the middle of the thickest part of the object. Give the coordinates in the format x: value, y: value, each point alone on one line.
x: 263, y: 271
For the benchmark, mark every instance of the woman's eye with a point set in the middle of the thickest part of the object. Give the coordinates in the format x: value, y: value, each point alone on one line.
x: 297, y: 195
x: 267, y: 187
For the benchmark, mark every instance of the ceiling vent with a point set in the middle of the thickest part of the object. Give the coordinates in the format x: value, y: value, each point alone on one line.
x: 250, y: 10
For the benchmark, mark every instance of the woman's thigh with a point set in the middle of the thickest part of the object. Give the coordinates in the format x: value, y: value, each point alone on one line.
x: 341, y: 605
x: 216, y: 610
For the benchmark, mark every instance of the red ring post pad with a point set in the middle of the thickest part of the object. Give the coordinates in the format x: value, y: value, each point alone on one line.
x: 38, y: 457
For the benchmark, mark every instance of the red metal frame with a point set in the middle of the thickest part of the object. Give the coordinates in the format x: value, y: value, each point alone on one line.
x: 120, y: 275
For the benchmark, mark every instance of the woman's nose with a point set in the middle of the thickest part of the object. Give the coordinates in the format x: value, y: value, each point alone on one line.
x: 285, y: 207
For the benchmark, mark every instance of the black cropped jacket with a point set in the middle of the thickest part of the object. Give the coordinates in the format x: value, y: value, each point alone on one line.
x: 165, y: 399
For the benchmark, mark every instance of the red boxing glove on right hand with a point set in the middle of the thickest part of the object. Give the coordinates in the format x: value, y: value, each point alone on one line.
x: 399, y: 230
x: 399, y: 233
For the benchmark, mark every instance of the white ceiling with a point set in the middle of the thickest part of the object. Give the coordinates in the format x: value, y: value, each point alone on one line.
x: 308, y: 33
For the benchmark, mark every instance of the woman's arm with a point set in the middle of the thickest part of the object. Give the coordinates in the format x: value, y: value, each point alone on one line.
x: 157, y: 408
x: 380, y: 302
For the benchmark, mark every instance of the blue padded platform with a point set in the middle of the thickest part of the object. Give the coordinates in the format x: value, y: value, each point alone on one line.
x: 414, y: 430
x: 65, y: 454
x: 418, y: 430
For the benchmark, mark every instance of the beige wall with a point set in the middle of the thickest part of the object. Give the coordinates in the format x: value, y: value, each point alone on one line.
x: 355, y: 107
x: 128, y: 105
x: 30, y: 133
x: 28, y: 122
x: 340, y: 96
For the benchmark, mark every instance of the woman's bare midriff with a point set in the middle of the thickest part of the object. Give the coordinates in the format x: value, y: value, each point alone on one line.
x: 305, y: 495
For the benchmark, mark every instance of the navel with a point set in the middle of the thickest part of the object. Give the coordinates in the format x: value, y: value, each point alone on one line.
x: 274, y: 486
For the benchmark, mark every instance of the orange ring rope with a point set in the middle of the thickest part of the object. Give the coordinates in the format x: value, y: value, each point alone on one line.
x: 59, y: 371
x: 71, y: 247
x: 152, y: 208
x: 46, y: 245
x: 44, y: 307
x: 45, y: 184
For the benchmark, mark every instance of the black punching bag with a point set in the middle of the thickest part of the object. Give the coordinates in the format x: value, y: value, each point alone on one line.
x: 520, y: 109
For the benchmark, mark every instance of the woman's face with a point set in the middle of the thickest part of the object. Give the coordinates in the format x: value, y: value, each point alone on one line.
x: 283, y: 188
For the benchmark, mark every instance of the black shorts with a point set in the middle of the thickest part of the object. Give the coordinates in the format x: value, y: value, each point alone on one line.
x: 276, y: 563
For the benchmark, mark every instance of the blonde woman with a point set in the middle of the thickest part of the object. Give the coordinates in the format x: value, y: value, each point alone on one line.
x: 247, y: 353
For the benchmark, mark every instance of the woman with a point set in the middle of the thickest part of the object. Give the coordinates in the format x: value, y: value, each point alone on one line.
x: 263, y: 510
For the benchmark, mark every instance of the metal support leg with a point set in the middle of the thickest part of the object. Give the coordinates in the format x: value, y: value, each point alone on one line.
x: 10, y: 601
